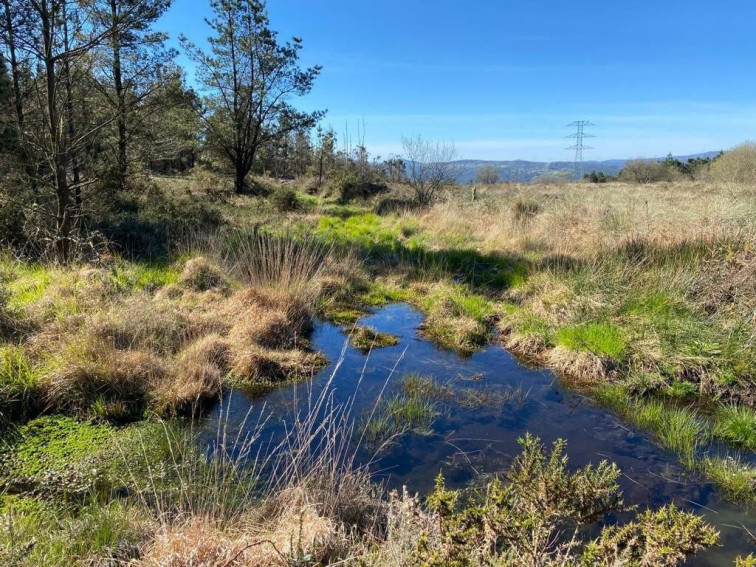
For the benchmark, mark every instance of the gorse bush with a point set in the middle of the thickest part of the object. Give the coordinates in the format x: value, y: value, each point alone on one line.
x: 349, y: 185
x: 519, y: 520
x: 284, y: 200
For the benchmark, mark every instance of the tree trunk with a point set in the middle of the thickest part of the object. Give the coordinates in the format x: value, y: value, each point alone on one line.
x: 122, y: 158
x: 57, y: 151
x: 18, y: 101
x: 240, y: 185
x: 70, y: 117
x: 15, y: 72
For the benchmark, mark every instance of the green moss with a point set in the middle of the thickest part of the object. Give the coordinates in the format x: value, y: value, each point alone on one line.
x: 56, y: 454
x: 367, y: 338
x: 60, y: 455
x: 600, y: 338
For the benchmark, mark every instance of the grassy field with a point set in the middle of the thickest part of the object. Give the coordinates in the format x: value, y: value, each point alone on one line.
x: 642, y: 297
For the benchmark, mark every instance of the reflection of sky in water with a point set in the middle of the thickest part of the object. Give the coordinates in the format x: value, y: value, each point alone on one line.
x: 470, y: 441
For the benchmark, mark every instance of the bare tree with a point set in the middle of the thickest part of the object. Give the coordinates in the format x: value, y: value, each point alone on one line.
x: 488, y: 175
x: 430, y: 167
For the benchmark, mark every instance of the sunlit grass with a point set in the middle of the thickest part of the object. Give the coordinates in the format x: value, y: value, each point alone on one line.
x: 600, y: 338
x: 736, y: 425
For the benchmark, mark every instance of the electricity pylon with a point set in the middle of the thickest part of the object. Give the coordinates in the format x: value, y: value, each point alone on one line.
x: 579, y: 146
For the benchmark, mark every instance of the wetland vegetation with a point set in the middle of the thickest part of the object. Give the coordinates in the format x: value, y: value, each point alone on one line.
x: 228, y: 341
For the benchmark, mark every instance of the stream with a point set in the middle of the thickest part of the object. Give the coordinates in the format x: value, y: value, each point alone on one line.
x: 467, y: 441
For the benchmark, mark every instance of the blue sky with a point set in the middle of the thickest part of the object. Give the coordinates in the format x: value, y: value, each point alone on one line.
x: 502, y: 78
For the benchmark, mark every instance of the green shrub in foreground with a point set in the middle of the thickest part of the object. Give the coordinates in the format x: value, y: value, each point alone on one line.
x: 520, y: 520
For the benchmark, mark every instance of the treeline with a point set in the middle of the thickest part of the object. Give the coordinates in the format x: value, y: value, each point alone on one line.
x: 91, y: 99
x: 653, y: 171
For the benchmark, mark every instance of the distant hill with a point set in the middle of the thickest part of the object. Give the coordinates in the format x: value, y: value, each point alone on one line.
x: 524, y: 171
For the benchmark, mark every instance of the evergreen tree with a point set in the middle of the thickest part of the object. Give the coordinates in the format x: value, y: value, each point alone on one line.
x: 248, y: 78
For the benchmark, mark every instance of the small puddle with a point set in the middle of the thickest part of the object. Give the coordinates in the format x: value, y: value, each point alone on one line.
x: 468, y: 441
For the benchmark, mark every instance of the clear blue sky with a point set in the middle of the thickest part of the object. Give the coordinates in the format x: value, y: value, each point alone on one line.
x: 502, y: 78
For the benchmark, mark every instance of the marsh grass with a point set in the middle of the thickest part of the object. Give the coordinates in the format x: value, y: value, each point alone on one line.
x: 680, y: 430
x: 688, y: 434
x: 736, y: 425
x: 367, y: 339
x: 602, y: 339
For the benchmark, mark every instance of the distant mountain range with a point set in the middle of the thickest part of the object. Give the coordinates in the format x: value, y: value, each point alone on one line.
x: 524, y: 171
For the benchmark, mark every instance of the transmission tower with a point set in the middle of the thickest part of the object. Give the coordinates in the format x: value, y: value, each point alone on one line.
x: 579, y: 146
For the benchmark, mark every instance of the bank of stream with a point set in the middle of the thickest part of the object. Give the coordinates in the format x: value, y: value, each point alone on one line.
x: 469, y: 438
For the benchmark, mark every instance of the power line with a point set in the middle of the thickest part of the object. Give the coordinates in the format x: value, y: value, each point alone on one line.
x: 579, y: 146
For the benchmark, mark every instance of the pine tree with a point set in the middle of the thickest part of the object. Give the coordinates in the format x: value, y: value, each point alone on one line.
x: 248, y: 78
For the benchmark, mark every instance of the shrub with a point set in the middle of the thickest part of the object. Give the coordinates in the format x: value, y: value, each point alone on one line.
x: 522, y: 520
x: 210, y: 183
x: 284, y: 200
x: 737, y: 166
x: 142, y: 221
x: 664, y: 537
x: 646, y: 171
x: 348, y: 186
x: 524, y: 210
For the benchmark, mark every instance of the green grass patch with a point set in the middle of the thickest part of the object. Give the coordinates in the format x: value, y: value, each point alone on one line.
x: 413, y: 409
x: 678, y: 429
x: 137, y: 276
x: 736, y: 479
x: 380, y: 293
x: 19, y: 384
x: 41, y: 534
x: 736, y: 425
x: 600, y: 338
x: 367, y: 338
x: 28, y: 284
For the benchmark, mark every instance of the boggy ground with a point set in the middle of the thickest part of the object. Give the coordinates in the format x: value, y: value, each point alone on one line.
x: 641, y: 295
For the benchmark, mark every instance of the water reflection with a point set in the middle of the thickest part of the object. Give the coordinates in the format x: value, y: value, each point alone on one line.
x: 467, y: 442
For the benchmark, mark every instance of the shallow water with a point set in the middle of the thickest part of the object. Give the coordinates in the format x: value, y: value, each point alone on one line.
x: 466, y: 441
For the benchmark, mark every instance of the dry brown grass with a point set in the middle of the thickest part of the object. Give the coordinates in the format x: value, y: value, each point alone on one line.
x: 199, y: 542
x: 91, y: 370
x: 199, y: 274
x: 582, y: 220
x: 109, y: 349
